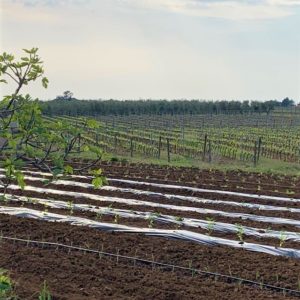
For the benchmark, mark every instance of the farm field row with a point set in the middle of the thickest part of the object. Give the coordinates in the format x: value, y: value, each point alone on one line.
x: 237, y: 180
x: 233, y: 233
x: 136, y: 136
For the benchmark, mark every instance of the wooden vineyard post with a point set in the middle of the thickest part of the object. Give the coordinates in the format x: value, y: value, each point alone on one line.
x: 96, y: 138
x: 255, y: 154
x: 182, y: 130
x: 159, y: 147
x: 168, y: 149
x: 131, y: 147
x: 209, y: 151
x: 258, y: 149
x: 115, y: 142
x: 204, y: 148
x: 79, y: 142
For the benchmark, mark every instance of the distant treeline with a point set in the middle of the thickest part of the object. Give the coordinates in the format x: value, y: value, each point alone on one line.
x: 74, y: 107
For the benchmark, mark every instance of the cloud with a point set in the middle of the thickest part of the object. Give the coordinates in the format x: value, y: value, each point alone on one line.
x: 34, y: 3
x: 227, y: 9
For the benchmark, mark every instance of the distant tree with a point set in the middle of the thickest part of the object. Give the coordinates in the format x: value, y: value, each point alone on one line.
x: 67, y: 95
x: 286, y: 102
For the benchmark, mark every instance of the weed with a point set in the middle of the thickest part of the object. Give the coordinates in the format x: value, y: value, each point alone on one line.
x: 45, y: 293
x: 6, y: 285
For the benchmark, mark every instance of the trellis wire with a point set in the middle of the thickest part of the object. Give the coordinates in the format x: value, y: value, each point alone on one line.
x: 155, y: 263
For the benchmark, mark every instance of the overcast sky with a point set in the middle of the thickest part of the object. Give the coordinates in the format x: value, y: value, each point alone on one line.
x: 131, y: 49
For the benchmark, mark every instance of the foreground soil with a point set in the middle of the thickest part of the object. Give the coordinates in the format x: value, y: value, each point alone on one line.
x: 78, y: 275
x: 83, y: 275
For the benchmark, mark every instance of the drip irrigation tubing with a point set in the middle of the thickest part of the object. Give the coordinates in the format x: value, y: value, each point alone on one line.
x: 153, y: 263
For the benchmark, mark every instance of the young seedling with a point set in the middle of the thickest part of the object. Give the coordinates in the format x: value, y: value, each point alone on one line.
x: 71, y: 207
x: 179, y: 219
x: 45, y: 212
x: 191, y: 267
x: 282, y: 239
x: 210, y: 225
x: 151, y: 221
x: 45, y: 293
x: 289, y: 192
x: 99, y: 215
x: 257, y: 275
x: 116, y: 219
x: 240, y: 233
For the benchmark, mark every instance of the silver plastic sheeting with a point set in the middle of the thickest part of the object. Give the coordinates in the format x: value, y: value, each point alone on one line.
x: 198, y: 223
x: 169, y: 196
x: 193, y: 189
x: 175, y: 234
x: 274, y: 220
x: 187, y: 188
x: 202, y: 200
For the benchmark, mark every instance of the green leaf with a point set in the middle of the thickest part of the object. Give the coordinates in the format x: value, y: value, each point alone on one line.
x: 20, y: 180
x: 97, y: 182
x: 92, y: 123
x: 69, y: 170
x: 45, y: 82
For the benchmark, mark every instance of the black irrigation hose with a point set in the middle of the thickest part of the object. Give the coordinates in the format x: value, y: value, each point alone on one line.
x: 154, y: 263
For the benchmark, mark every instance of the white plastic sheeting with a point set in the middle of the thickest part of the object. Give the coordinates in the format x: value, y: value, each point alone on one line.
x: 168, y: 196
x: 176, y: 234
x: 193, y: 189
x: 180, y: 187
x: 252, y: 217
x: 123, y: 213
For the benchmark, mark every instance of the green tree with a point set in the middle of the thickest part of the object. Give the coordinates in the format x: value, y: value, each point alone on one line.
x: 286, y: 102
x: 26, y: 137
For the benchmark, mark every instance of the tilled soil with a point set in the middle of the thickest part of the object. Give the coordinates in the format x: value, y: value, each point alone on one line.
x: 178, y: 213
x: 140, y: 223
x: 75, y: 275
x: 78, y: 275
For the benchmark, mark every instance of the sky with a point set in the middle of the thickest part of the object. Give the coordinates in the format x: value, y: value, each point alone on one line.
x: 158, y: 49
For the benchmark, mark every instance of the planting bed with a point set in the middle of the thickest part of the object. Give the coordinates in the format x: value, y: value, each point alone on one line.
x: 239, y: 230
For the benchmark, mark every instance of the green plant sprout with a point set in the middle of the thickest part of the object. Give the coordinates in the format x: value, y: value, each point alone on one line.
x: 6, y: 286
x: 210, y: 225
x: 240, y: 233
x: 71, y: 207
x: 116, y: 218
x: 151, y: 219
x: 179, y: 219
x: 99, y: 215
x: 282, y: 239
x: 45, y: 293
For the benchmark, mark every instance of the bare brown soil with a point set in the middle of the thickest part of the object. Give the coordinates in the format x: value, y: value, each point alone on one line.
x: 77, y: 275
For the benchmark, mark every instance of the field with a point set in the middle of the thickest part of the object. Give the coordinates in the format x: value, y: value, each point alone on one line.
x: 154, y: 232
x: 269, y: 142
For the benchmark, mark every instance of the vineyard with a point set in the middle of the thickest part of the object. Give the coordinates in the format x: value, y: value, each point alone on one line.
x: 149, y: 150
x: 248, y: 138
x: 153, y: 232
